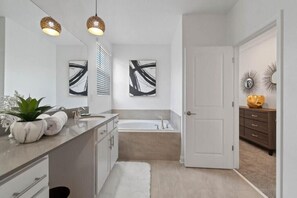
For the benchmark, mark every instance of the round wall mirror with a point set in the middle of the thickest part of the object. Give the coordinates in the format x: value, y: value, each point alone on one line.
x: 249, y: 82
x: 270, y: 77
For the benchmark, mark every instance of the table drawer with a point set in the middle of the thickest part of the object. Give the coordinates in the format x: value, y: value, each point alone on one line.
x: 241, y: 112
x: 256, y: 115
x: 255, y: 136
x: 241, y: 131
x: 241, y: 121
x: 256, y: 125
x: 27, y: 182
x: 101, y: 132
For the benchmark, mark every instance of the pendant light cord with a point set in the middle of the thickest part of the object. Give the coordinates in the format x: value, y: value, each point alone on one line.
x: 96, y: 7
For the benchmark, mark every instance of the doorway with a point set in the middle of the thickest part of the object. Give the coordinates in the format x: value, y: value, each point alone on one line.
x: 257, y: 99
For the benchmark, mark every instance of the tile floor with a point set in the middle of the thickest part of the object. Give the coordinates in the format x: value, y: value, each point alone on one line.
x: 258, y: 167
x: 169, y: 179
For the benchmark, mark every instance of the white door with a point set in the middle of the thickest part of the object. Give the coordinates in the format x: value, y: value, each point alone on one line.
x: 209, y: 109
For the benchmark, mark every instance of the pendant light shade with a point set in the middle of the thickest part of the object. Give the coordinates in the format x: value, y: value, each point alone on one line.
x: 50, y: 26
x: 95, y: 24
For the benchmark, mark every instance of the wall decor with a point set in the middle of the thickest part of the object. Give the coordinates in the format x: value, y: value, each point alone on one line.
x: 270, y: 77
x: 78, y: 77
x: 249, y: 82
x: 142, y: 77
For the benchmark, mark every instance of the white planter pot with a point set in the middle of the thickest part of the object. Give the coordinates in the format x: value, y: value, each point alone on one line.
x: 26, y: 132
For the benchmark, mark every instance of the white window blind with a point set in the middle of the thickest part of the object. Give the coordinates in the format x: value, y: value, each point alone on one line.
x: 103, y: 63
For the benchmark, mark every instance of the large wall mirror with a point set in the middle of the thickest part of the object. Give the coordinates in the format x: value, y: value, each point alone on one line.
x: 32, y: 62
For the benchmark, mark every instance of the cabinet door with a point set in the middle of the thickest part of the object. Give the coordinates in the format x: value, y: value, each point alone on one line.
x: 43, y: 193
x: 114, y: 141
x: 102, y: 162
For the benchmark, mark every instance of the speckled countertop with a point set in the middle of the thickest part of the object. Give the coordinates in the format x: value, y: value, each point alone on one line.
x: 14, y: 156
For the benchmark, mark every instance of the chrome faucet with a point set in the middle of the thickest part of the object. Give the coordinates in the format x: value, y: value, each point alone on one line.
x: 77, y: 113
x: 162, y: 122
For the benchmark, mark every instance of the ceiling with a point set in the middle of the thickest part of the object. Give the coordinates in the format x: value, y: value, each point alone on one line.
x: 130, y: 21
x: 26, y: 14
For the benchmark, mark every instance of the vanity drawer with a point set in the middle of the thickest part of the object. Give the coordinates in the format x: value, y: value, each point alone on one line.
x: 28, y: 182
x: 256, y: 125
x: 256, y: 115
x: 110, y: 126
x: 255, y: 136
x: 101, y: 132
x: 116, y: 122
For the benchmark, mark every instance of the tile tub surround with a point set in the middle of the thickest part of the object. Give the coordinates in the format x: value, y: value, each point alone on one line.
x: 139, y: 114
x: 175, y: 120
x: 14, y: 156
x: 149, y: 146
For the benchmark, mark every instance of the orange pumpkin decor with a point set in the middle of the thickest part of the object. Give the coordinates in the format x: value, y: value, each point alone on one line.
x: 255, y: 101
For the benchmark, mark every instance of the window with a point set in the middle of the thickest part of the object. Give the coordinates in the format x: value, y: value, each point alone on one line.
x: 103, y: 64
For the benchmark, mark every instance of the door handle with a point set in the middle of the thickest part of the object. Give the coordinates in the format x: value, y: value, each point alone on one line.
x: 189, y: 113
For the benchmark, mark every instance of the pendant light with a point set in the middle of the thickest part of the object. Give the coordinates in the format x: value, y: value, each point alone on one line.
x: 95, y: 24
x: 50, y: 26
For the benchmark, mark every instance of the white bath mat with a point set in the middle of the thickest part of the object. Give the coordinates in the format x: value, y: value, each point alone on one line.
x: 128, y: 180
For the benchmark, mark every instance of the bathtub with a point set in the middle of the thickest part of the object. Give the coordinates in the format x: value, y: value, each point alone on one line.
x: 144, y: 126
x: 142, y: 140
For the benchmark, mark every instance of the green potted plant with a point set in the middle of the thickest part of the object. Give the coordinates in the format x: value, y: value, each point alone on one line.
x: 28, y: 128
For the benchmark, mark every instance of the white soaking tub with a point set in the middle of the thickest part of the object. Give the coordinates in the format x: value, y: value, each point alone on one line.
x: 145, y: 126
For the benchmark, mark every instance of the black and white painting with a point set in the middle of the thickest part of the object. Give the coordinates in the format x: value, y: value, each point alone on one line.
x: 78, y: 78
x: 142, y: 77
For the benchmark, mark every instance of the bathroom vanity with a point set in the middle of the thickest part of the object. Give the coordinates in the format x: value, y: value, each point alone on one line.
x: 80, y: 157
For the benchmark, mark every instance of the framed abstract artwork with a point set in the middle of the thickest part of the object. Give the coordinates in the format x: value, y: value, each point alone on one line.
x: 78, y: 78
x: 142, y: 77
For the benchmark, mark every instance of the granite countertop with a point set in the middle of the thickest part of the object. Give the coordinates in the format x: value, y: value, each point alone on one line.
x: 14, y: 156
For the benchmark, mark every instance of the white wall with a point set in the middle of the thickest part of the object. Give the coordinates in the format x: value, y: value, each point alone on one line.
x: 121, y: 56
x: 289, y: 99
x: 97, y: 104
x: 247, y: 17
x: 176, y: 91
x: 64, y: 55
x: 205, y: 30
x: 2, y: 48
x: 30, y: 64
x: 256, y: 55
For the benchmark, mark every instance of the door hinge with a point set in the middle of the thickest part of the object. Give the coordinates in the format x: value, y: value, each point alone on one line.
x: 233, y: 60
x: 232, y: 147
x: 233, y: 104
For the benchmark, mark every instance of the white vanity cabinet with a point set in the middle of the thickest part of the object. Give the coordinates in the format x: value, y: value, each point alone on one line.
x: 29, y: 182
x: 114, y: 147
x: 106, y: 147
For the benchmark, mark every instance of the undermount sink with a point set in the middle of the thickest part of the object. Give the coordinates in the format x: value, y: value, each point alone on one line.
x: 91, y: 118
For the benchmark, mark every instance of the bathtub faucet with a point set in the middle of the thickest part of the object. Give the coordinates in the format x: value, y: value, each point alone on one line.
x: 162, y: 122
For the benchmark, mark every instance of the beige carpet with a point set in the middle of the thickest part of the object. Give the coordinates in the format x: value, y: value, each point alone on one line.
x: 258, y: 167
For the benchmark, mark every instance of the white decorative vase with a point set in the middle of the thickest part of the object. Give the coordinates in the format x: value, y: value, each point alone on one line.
x: 27, y: 132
